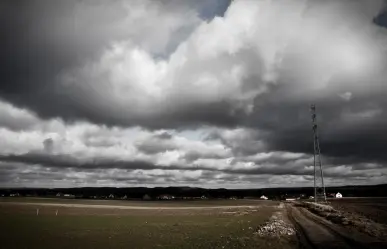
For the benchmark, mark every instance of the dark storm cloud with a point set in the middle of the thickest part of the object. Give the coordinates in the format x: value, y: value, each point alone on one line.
x: 66, y: 161
x: 189, y: 117
x: 41, y: 39
x: 243, y: 143
x: 34, y: 49
x: 347, y: 129
x: 213, y: 8
x: 15, y: 119
x: 163, y: 135
x: 381, y: 19
x: 48, y: 145
x: 191, y: 156
x: 46, y: 170
x: 156, y: 144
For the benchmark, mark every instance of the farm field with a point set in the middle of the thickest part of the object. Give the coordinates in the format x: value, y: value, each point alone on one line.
x: 166, y: 203
x: 371, y: 208
x: 110, y: 227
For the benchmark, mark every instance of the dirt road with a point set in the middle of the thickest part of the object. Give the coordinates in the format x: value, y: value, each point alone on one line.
x: 316, y: 232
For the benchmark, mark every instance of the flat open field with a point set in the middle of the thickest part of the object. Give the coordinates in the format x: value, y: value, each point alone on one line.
x: 372, y: 208
x: 143, y: 204
x: 103, y: 224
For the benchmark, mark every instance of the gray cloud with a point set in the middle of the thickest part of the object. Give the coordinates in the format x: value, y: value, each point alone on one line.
x: 156, y: 144
x: 270, y: 166
x: 48, y: 144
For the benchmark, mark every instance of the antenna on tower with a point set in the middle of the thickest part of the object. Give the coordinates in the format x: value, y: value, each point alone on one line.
x: 319, y: 187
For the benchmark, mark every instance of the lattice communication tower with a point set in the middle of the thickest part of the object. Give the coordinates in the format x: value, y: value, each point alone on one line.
x: 319, y: 187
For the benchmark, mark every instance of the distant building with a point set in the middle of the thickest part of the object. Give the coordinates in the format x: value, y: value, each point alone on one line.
x: 204, y: 197
x: 338, y: 195
x: 125, y: 197
x: 165, y: 197
x: 290, y: 199
x: 146, y: 197
x: 263, y: 197
x: 111, y: 196
x: 14, y: 194
x: 58, y: 194
x: 311, y: 197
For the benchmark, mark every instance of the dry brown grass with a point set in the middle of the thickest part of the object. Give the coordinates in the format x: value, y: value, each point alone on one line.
x: 134, y: 228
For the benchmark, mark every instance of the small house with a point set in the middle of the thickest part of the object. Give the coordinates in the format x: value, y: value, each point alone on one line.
x: 111, y: 196
x: 263, y: 197
x: 338, y: 195
x: 165, y: 197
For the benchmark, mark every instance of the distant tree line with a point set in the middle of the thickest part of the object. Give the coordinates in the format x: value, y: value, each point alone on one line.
x: 188, y: 192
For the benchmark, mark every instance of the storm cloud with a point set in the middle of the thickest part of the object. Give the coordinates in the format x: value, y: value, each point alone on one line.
x: 191, y: 92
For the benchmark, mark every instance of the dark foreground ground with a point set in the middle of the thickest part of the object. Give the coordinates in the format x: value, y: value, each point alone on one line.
x: 371, y: 208
x: 111, y: 227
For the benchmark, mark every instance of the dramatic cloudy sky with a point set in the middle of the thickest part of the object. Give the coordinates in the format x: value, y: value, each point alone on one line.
x: 211, y: 93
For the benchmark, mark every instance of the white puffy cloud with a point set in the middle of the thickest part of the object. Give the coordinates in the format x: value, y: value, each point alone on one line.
x: 305, y: 45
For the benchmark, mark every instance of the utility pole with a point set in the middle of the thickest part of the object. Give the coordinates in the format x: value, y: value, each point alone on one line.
x: 319, y: 187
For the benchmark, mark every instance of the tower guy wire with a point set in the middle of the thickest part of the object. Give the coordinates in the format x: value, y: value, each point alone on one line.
x: 319, y: 186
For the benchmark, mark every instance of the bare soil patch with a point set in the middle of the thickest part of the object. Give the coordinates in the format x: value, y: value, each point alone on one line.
x: 350, y: 220
x: 372, y: 208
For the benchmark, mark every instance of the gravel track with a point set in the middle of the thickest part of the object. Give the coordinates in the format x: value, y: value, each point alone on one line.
x: 316, y: 232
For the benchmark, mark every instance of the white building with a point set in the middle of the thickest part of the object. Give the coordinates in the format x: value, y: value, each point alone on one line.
x: 165, y: 197
x: 263, y: 197
x: 338, y: 195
